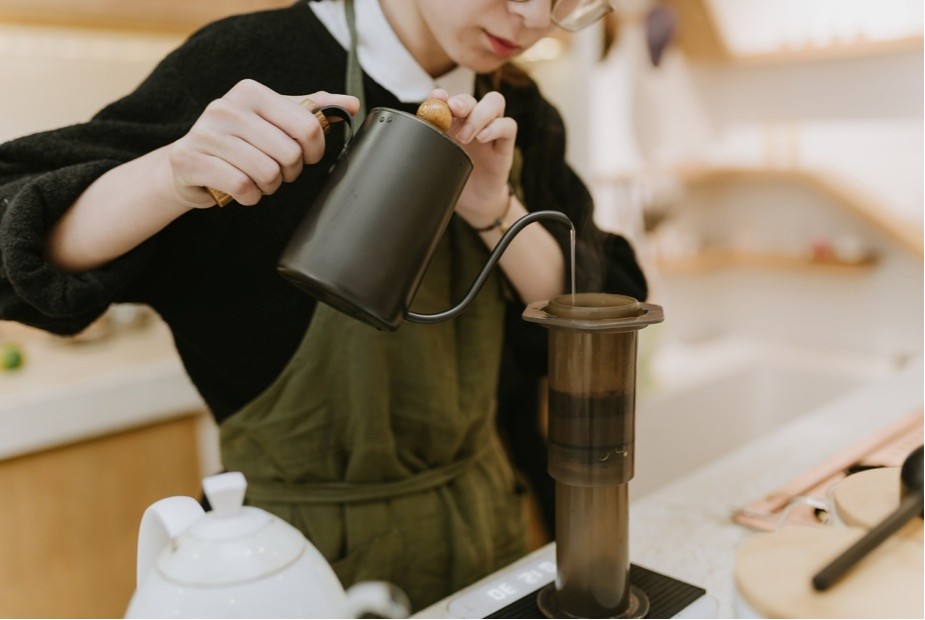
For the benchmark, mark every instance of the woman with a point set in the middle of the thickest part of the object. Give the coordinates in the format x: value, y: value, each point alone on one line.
x: 380, y: 447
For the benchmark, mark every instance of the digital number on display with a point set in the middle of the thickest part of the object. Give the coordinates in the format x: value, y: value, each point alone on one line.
x: 507, y: 588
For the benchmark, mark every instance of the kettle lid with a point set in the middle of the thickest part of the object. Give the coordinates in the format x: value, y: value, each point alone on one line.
x: 231, y: 544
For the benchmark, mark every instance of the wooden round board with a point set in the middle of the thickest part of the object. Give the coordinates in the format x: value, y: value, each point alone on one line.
x: 773, y: 574
x: 864, y: 499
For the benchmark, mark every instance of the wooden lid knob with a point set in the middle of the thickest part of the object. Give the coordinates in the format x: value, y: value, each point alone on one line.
x: 437, y: 113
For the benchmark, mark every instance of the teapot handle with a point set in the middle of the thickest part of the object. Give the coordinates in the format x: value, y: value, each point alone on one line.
x: 163, y: 521
x: 379, y: 598
x: 496, y: 253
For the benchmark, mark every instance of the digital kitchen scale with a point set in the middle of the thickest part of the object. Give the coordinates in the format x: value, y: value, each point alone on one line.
x: 512, y: 593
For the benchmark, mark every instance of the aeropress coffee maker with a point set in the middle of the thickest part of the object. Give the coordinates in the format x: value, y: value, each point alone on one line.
x: 591, y: 420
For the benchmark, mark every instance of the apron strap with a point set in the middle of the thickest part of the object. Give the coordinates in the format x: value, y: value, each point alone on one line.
x: 261, y: 491
x: 354, y: 78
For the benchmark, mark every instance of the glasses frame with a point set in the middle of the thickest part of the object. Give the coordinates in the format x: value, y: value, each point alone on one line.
x: 604, y: 7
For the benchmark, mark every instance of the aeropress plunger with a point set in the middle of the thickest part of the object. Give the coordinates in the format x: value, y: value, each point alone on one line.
x: 591, y: 403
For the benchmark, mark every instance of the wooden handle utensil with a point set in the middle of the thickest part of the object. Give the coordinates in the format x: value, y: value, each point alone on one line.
x: 910, y: 507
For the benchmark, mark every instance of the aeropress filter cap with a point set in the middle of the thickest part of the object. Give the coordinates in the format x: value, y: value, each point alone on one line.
x: 594, y: 312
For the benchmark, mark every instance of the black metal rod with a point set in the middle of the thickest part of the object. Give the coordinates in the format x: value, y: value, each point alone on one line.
x: 909, y: 508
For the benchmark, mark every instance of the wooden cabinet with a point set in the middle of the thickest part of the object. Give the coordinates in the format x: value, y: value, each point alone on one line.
x: 69, y: 517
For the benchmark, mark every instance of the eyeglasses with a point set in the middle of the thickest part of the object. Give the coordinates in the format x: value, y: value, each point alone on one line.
x: 573, y: 15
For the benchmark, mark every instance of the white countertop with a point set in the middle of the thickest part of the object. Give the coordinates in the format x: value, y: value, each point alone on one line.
x: 71, y: 392
x: 685, y: 529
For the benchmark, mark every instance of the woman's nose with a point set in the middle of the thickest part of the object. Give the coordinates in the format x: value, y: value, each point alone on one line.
x: 535, y: 13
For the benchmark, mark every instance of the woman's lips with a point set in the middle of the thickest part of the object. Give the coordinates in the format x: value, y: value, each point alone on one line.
x: 502, y: 47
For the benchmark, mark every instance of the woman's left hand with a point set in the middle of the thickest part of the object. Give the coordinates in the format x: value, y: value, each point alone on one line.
x: 487, y: 136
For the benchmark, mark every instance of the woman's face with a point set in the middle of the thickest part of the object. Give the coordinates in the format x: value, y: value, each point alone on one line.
x: 478, y: 34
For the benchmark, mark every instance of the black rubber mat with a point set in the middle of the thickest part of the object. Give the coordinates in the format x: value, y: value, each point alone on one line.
x: 667, y: 596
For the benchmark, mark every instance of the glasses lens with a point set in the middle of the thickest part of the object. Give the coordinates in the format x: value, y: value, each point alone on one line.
x: 573, y: 15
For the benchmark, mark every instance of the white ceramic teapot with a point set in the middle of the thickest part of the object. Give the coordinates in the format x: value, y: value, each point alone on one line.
x: 240, y: 562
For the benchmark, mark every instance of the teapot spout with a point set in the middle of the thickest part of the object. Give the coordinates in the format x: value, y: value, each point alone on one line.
x: 163, y: 521
x: 493, y: 259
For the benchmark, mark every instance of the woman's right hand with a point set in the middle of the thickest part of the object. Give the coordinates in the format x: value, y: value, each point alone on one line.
x: 248, y: 143
x: 245, y: 144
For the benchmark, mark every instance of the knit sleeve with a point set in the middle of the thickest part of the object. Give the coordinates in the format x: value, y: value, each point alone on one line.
x: 31, y: 290
x: 41, y: 176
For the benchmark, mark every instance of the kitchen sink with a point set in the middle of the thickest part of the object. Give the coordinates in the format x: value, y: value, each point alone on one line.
x: 696, y: 403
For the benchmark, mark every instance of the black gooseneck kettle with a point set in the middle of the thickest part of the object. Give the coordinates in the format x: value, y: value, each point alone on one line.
x: 365, y: 243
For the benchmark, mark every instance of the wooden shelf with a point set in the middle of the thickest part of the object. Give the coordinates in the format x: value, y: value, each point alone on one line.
x: 718, y: 258
x: 700, y: 38
x: 907, y: 234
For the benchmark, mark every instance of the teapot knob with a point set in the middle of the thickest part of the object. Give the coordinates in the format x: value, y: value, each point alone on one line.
x: 437, y: 113
x: 225, y: 493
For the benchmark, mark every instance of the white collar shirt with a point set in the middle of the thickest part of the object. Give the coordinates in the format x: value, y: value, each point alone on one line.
x: 382, y: 55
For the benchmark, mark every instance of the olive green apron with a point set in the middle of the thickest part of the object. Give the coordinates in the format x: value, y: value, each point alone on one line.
x: 381, y: 447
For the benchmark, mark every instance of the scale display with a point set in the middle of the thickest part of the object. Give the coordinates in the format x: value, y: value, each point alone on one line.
x: 505, y: 589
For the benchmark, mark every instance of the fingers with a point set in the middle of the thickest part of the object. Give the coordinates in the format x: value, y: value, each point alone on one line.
x: 488, y: 137
x: 273, y: 140
x: 483, y: 121
x: 253, y: 110
x: 250, y: 141
x: 439, y: 93
x: 498, y: 130
x: 262, y: 174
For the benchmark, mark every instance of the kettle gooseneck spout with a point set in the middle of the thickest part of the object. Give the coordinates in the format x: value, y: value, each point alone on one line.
x: 493, y: 259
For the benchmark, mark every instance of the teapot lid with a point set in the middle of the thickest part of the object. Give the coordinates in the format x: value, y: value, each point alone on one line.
x: 231, y: 544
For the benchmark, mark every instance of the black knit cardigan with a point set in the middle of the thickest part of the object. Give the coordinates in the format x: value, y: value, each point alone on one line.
x: 211, y: 274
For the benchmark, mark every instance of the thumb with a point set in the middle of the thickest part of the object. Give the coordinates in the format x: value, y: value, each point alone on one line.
x: 439, y: 93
